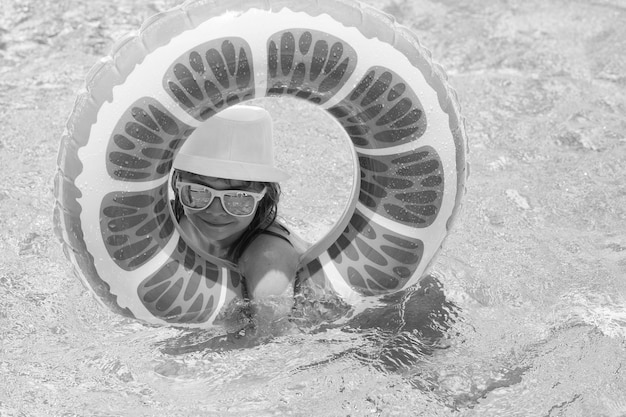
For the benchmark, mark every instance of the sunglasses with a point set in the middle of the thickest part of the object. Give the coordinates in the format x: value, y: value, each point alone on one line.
x: 237, y: 203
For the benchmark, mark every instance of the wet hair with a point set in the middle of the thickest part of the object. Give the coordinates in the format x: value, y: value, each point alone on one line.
x: 264, y: 216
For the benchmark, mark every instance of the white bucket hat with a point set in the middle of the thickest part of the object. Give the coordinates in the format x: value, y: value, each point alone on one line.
x: 236, y: 143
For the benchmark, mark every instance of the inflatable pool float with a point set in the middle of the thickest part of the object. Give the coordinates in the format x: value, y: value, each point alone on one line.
x: 141, y: 102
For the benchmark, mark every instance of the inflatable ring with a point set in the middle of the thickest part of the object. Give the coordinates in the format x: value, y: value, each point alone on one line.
x: 141, y: 102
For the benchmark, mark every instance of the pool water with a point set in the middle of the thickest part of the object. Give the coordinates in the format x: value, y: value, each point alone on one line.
x: 523, y: 314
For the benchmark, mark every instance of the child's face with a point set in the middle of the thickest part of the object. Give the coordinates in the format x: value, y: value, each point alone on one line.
x: 215, y: 223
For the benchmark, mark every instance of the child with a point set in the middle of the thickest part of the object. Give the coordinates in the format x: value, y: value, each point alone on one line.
x: 226, y: 197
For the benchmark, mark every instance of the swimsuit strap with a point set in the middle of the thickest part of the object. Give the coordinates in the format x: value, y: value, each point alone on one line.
x: 280, y: 232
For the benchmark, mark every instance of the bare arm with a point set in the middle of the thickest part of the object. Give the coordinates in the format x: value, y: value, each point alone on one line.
x: 269, y: 264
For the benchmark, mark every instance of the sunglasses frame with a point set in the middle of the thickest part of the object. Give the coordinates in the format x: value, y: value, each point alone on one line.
x: 257, y: 196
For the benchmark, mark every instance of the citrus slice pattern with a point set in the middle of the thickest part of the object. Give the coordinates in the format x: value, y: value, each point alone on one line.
x: 212, y: 76
x: 141, y: 103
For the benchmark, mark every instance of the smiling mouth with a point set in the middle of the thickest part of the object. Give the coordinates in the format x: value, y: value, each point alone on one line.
x: 214, y: 224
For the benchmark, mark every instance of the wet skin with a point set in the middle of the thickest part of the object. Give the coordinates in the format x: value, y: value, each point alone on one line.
x: 268, y: 264
x: 213, y: 228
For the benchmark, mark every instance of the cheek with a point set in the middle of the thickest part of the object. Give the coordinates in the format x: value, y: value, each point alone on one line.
x: 193, y: 219
x: 245, y: 221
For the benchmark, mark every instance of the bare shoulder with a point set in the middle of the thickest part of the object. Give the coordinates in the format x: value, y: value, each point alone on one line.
x: 269, y: 250
x: 269, y: 265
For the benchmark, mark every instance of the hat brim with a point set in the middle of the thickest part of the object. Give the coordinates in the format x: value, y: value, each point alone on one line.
x: 233, y: 170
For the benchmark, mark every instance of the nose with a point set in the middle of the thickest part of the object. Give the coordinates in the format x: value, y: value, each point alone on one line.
x: 216, y: 207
